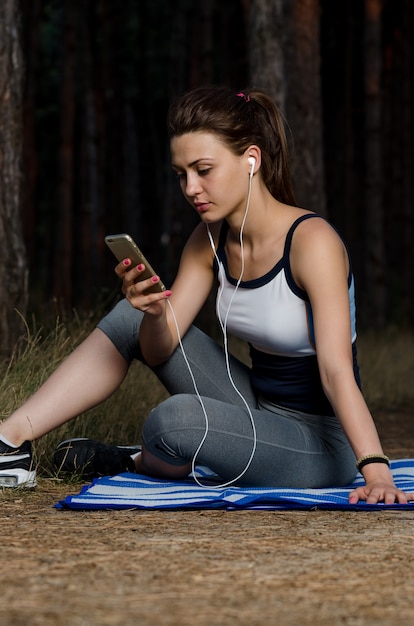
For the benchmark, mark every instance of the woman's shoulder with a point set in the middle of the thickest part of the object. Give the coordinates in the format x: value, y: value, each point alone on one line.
x: 306, y: 223
x: 312, y: 239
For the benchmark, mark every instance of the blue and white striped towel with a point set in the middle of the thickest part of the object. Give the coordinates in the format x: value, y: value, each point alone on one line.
x: 133, y: 491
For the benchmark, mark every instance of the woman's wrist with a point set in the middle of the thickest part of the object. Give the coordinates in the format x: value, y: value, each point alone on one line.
x: 155, y: 339
x: 369, y: 459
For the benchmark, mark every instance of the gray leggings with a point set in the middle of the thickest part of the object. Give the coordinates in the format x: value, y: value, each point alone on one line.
x: 294, y: 449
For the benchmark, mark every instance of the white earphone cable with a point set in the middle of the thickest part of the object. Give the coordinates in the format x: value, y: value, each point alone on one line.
x: 223, y: 325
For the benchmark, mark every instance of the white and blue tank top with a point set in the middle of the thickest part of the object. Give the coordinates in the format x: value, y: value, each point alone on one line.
x: 275, y: 317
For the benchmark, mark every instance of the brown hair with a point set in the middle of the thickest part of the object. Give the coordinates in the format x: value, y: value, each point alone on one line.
x: 240, y: 119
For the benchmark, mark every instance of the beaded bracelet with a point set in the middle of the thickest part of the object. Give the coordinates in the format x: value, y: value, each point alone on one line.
x: 371, y: 458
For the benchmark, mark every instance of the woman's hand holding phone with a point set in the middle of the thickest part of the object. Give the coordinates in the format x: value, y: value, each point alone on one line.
x: 141, y: 285
x: 139, y: 291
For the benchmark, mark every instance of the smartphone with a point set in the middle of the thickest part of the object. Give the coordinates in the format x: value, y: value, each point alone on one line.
x: 124, y: 247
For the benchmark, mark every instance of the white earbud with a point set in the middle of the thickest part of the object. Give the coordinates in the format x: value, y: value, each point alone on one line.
x: 252, y: 162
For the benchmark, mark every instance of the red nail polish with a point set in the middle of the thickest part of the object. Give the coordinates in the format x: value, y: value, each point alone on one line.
x: 127, y: 262
x: 167, y: 293
x: 155, y: 279
x: 140, y: 267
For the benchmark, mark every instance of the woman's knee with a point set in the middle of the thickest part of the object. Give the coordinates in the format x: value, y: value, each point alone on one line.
x: 170, y: 426
x: 121, y: 325
x: 177, y: 412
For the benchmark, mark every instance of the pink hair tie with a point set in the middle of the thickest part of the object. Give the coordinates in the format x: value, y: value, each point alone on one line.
x: 243, y: 95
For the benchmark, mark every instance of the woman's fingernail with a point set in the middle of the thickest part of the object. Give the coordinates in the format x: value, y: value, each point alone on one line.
x: 140, y: 267
x: 167, y: 293
x: 155, y: 279
x: 127, y: 262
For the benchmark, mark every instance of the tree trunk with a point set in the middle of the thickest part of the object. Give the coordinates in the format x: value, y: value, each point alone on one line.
x: 374, y: 296
x: 31, y: 10
x: 63, y: 241
x: 403, y: 163
x: 408, y: 162
x: 284, y: 60
x: 13, y: 267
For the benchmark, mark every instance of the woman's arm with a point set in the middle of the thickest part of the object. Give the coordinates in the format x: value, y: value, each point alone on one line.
x: 320, y: 267
x: 158, y: 333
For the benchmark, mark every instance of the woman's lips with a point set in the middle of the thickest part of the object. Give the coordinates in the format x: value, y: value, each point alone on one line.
x: 201, y: 207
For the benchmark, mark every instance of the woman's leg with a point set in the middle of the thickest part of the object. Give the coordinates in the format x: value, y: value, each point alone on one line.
x: 291, y: 449
x: 90, y: 374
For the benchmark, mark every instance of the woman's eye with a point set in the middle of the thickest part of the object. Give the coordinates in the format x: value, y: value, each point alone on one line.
x: 181, y: 176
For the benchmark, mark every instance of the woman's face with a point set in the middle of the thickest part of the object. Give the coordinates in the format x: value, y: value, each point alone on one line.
x: 212, y: 178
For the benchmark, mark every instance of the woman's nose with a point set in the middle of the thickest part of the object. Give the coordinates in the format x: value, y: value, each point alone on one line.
x: 192, y: 185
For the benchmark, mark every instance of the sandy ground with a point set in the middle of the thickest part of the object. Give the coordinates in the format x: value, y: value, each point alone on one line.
x: 206, y: 568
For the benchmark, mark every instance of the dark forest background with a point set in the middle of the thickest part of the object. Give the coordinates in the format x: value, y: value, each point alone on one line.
x: 100, y: 74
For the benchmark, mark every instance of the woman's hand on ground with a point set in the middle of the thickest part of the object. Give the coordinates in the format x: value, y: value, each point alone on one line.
x: 373, y: 493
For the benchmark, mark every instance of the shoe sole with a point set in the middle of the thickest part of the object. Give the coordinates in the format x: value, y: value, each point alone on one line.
x: 18, y: 478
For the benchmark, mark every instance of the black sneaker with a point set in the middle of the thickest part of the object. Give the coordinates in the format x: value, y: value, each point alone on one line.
x: 16, y: 466
x: 89, y: 459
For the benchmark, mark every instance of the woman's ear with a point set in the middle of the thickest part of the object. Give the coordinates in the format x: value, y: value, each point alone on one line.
x: 253, y: 158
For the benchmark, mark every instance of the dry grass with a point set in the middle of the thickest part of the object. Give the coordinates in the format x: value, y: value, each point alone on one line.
x: 385, y: 361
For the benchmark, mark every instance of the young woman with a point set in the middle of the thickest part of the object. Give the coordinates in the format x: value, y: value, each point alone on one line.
x: 296, y: 418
